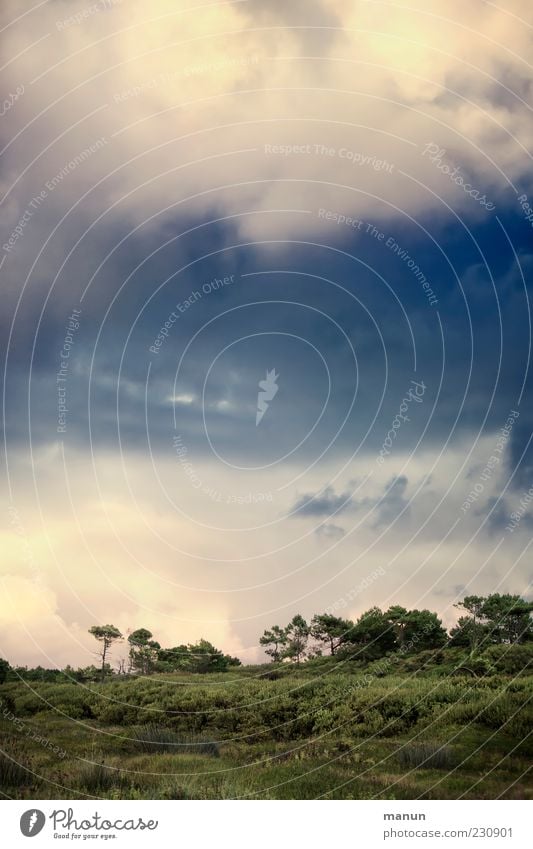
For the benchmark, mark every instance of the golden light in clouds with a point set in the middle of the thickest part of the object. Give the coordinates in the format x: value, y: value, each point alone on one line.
x: 140, y: 565
x: 260, y: 114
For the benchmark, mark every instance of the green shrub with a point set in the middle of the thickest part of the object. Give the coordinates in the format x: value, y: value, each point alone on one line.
x: 511, y: 660
x: 372, y: 723
x: 508, y: 713
x: 29, y: 704
x: 473, y: 667
x: 68, y: 699
x: 270, y: 675
x: 7, y: 704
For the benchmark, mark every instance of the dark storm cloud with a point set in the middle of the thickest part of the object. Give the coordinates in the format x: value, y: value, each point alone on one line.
x: 393, y: 502
x: 326, y: 503
x: 385, y: 507
x: 380, y: 333
x: 521, y: 459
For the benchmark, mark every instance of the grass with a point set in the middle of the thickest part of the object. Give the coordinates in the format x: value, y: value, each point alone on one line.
x: 157, y: 739
x: 98, y: 779
x: 426, y: 755
x: 13, y: 774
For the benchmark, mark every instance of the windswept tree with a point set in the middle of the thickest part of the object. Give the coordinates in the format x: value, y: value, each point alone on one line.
x: 274, y: 640
x: 200, y: 657
x: 398, y: 617
x: 106, y: 636
x: 4, y: 669
x: 494, y: 619
x: 508, y: 618
x: 467, y: 633
x: 423, y: 630
x: 143, y: 651
x: 331, y: 630
x: 173, y: 659
x: 474, y: 623
x: 372, y: 636
x: 297, y: 636
x: 204, y: 657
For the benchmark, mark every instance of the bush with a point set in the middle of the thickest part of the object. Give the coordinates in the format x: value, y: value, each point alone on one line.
x: 154, y: 739
x: 4, y: 669
x: 29, y: 704
x: 472, y: 668
x: 114, y: 713
x: 511, y: 660
x: 270, y: 675
x: 509, y: 713
x: 7, y: 704
x: 425, y: 756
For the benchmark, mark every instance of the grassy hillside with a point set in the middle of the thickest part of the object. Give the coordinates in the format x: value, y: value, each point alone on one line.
x: 422, y: 726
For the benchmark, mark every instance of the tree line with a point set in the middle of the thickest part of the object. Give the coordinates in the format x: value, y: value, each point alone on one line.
x: 485, y: 621
x: 146, y: 656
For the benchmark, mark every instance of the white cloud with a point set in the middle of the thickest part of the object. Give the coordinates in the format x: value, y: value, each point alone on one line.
x: 177, y: 93
x: 187, y: 563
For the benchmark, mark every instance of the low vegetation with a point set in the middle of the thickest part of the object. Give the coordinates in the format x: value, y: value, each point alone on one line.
x: 396, y: 709
x: 156, y: 739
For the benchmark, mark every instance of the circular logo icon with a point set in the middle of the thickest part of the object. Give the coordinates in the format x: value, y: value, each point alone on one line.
x: 32, y: 822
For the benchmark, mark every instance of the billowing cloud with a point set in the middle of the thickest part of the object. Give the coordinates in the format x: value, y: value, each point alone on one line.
x: 247, y: 108
x: 197, y: 194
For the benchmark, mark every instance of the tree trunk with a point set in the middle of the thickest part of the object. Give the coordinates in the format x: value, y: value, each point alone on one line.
x: 104, y: 652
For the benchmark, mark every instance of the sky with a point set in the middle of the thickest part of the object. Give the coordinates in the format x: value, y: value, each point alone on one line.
x: 320, y: 212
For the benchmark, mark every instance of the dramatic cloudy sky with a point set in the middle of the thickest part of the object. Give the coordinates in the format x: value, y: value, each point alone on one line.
x: 271, y: 186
